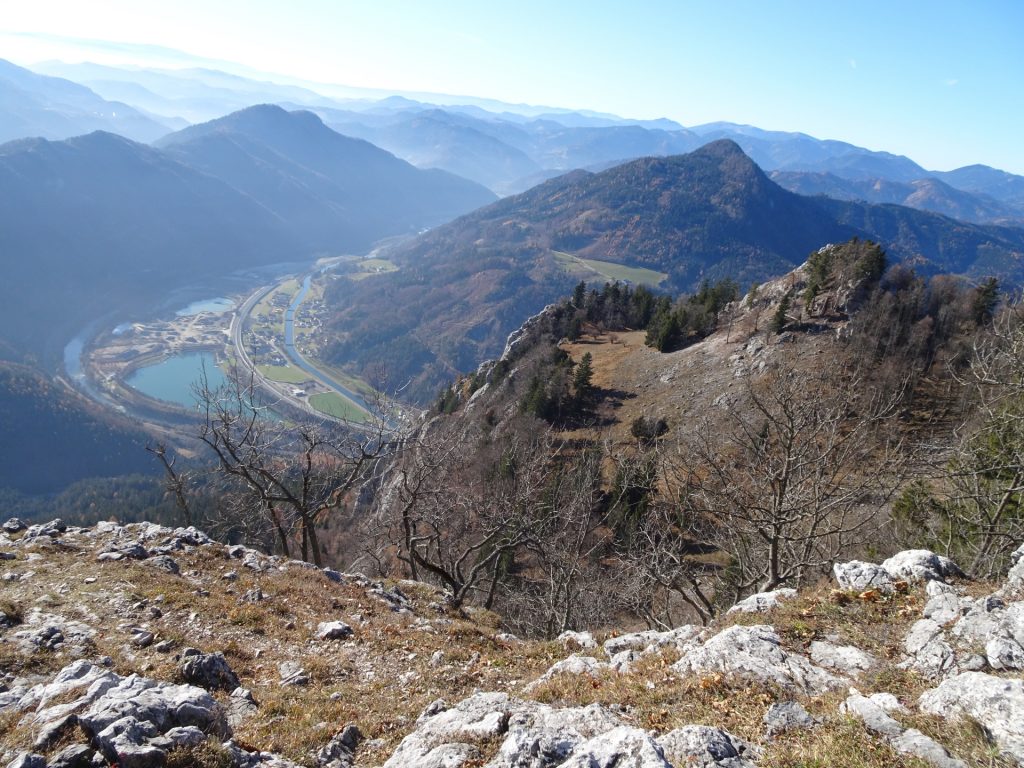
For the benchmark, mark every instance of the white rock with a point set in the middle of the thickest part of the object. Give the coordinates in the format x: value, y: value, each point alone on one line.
x: 622, y: 747
x: 873, y: 712
x: 651, y: 640
x: 333, y: 630
x: 702, y: 745
x: 542, y: 735
x: 532, y: 734
x: 756, y: 652
x: 927, y: 649
x: 920, y: 565
x: 981, y: 621
x: 1015, y: 578
x: 449, y: 734
x: 762, y: 601
x: 860, y: 576
x: 874, y: 716
x: 164, y: 705
x: 944, y: 604
x: 847, y: 659
x: 996, y: 703
x: 787, y: 716
x: 575, y: 665
x: 581, y: 640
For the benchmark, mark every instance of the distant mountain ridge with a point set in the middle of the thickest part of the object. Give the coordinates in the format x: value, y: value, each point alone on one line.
x: 33, y: 105
x: 926, y: 194
x: 337, y: 191
x: 710, y: 214
x: 509, y: 148
x: 99, y: 223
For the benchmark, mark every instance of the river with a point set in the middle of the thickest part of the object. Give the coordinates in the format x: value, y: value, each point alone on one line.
x: 296, y: 357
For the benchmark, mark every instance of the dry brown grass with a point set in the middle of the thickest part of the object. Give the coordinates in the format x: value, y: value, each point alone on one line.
x: 841, y: 742
x: 383, y: 676
x: 209, y: 754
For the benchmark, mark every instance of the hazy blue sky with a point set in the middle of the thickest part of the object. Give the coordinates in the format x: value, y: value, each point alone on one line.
x: 941, y: 82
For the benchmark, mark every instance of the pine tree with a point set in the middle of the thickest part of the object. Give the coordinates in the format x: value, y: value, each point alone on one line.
x: 579, y: 294
x: 779, y: 319
x: 581, y: 379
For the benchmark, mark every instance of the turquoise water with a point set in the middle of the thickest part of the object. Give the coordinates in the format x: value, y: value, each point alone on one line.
x: 219, y: 304
x: 172, y: 379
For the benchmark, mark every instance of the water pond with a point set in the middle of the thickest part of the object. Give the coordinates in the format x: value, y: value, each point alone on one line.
x: 172, y: 380
x: 220, y: 304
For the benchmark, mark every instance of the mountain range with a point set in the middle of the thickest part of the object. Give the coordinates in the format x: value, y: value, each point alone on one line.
x: 34, y: 105
x: 510, y: 147
x: 463, y: 287
x: 99, y: 223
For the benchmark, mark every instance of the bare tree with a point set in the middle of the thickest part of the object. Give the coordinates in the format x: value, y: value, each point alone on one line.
x: 458, y: 507
x: 796, y: 479
x: 559, y: 582
x: 294, y: 474
x: 667, y: 558
x: 977, y: 514
x: 176, y: 482
x: 505, y: 518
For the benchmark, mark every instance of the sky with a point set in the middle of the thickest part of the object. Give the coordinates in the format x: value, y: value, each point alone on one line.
x: 941, y: 82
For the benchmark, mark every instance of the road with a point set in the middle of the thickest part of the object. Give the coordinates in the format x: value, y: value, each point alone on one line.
x: 278, y: 389
x: 245, y: 361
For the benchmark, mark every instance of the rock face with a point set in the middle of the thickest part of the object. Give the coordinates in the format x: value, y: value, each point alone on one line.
x: 996, y: 703
x: 756, y: 652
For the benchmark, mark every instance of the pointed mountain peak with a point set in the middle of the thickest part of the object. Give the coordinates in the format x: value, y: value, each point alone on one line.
x: 722, y: 148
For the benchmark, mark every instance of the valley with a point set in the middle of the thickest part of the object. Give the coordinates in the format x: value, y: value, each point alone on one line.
x: 481, y: 387
x: 150, y: 369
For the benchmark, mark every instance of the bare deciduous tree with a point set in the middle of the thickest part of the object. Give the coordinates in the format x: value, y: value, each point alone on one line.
x: 666, y: 568
x: 457, y: 508
x: 176, y: 481
x: 795, y: 481
x: 977, y: 512
x: 292, y: 474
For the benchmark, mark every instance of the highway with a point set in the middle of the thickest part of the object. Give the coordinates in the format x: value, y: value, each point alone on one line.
x: 279, y: 390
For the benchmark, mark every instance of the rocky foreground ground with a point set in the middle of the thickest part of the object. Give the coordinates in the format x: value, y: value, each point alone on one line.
x: 147, y: 646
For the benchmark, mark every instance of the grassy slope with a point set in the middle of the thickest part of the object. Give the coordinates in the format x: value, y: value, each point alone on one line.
x: 384, y: 675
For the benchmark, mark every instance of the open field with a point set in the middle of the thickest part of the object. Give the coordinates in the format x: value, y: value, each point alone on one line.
x: 346, y: 379
x: 286, y: 374
x: 339, y: 407
x: 609, y: 270
x: 368, y: 267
